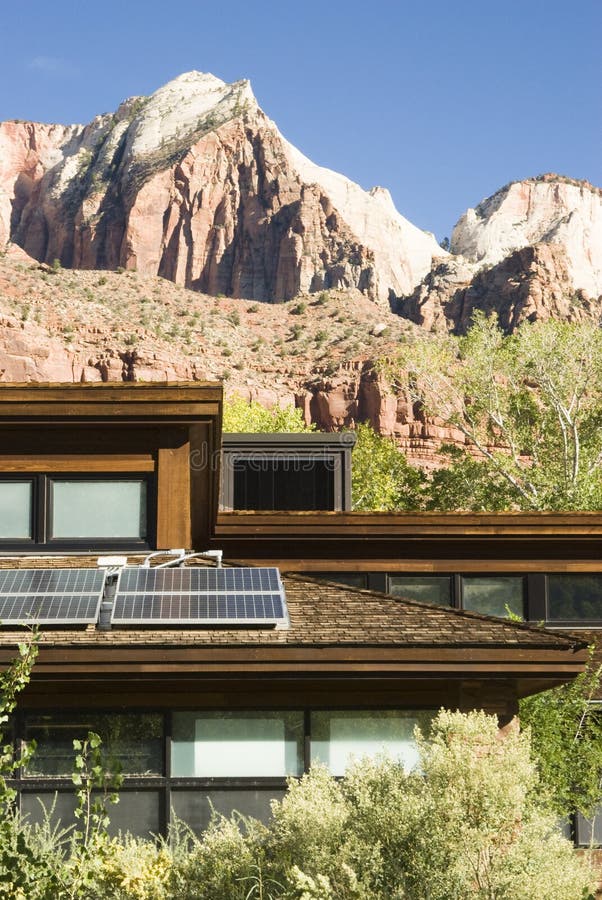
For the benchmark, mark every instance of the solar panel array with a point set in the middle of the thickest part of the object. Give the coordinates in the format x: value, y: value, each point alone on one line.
x: 50, y: 596
x: 199, y: 596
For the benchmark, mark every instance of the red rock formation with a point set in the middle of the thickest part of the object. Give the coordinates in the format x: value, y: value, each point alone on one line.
x: 196, y: 184
x: 531, y: 284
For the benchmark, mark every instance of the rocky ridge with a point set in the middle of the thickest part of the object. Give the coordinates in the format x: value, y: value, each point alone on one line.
x: 169, y: 219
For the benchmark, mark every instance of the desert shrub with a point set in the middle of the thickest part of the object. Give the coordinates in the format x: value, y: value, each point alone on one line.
x: 129, y: 868
x: 217, y: 865
x: 467, y: 824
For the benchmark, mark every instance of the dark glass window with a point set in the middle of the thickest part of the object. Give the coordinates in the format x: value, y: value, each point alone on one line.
x: 574, y: 598
x: 132, y: 741
x: 427, y: 588
x: 494, y: 595
x: 283, y: 483
x: 237, y: 744
x: 138, y: 811
x: 583, y: 829
x: 194, y: 807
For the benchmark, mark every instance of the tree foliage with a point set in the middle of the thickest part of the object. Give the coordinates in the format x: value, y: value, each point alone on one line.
x: 251, y: 417
x: 381, y: 477
x: 566, y: 737
x: 529, y: 403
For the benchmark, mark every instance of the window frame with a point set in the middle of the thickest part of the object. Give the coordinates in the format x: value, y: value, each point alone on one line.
x: 165, y: 783
x: 262, y: 458
x: 41, y: 523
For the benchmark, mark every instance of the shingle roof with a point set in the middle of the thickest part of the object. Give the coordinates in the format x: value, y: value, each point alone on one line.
x: 322, y: 614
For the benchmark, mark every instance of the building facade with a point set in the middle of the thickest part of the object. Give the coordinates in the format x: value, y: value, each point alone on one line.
x: 385, y: 618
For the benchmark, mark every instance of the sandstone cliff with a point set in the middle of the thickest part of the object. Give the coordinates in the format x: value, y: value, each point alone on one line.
x: 533, y: 283
x: 531, y: 251
x: 550, y: 209
x: 197, y: 185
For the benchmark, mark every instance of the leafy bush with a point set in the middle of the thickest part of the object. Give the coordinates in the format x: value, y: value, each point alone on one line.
x: 468, y: 823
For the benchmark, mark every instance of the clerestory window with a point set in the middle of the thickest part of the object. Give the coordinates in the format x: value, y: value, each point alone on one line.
x: 74, y: 510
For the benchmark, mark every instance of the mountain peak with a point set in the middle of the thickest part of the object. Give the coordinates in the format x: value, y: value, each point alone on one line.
x: 548, y: 209
x: 191, y: 103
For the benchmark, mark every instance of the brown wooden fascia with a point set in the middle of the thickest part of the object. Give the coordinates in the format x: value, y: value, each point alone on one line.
x: 301, y: 661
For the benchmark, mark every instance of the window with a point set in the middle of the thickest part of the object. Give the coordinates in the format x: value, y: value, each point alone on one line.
x: 75, y: 509
x: 97, y: 509
x: 195, y: 807
x: 574, y: 598
x: 271, y: 472
x: 16, y: 509
x: 135, y: 741
x: 237, y: 744
x: 138, y: 811
x: 428, y: 589
x: 283, y: 483
x: 337, y: 738
x: 186, y: 762
x: 497, y: 595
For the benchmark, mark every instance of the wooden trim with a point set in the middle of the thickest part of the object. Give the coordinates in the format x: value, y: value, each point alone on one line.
x: 24, y: 392
x: 144, y: 662
x: 57, y: 462
x: 173, y: 497
x: 378, y: 525
x: 433, y: 566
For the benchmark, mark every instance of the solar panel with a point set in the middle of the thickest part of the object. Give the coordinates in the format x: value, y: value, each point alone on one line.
x: 50, y: 596
x: 198, y: 596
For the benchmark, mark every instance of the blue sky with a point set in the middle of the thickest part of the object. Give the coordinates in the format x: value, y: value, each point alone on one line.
x: 442, y: 103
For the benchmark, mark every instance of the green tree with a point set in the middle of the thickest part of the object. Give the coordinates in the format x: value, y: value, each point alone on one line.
x: 242, y: 416
x: 530, y: 405
x: 381, y: 477
x: 566, y: 738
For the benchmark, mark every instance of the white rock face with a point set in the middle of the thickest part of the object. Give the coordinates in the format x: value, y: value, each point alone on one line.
x: 197, y: 101
x: 192, y: 102
x: 550, y: 210
x: 403, y: 253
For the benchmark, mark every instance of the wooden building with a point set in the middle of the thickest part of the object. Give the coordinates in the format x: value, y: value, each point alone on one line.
x: 387, y: 616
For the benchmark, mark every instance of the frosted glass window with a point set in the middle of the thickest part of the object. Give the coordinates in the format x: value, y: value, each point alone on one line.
x: 339, y: 738
x: 425, y: 588
x: 15, y: 509
x: 242, y: 744
x: 99, y: 509
x: 494, y: 596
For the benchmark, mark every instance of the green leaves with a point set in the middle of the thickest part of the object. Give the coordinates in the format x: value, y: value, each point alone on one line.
x: 566, y: 735
x: 253, y: 418
x: 381, y: 477
x: 528, y: 405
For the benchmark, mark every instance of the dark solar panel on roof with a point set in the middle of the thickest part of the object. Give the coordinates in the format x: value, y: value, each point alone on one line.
x: 50, y: 597
x: 240, y: 596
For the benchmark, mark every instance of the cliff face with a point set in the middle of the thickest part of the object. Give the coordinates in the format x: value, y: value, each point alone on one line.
x: 533, y: 283
x: 549, y: 210
x: 197, y: 185
x: 317, y: 354
x: 530, y: 252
